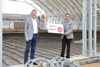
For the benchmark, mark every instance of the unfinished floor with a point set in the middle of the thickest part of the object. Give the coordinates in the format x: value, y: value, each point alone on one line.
x: 48, y: 46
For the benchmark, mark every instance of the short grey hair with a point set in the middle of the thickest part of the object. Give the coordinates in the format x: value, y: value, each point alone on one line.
x: 33, y: 10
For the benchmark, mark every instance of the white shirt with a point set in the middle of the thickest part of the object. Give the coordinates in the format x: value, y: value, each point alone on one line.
x: 35, y: 27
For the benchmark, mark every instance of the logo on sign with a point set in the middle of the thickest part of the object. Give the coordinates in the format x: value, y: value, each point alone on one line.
x: 59, y: 29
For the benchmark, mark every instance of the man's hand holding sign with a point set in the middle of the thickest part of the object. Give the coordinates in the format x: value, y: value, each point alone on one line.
x: 55, y: 28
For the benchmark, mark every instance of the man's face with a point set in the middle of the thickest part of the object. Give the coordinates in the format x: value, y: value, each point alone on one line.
x: 67, y: 17
x: 33, y: 14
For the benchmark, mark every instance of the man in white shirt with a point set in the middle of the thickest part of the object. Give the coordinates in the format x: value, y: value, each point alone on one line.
x: 31, y: 35
x: 35, y: 26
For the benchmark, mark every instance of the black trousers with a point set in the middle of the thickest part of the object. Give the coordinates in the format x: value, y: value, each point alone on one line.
x: 64, y: 42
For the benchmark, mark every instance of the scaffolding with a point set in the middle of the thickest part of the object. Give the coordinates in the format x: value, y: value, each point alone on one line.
x: 89, y: 44
x: 0, y: 33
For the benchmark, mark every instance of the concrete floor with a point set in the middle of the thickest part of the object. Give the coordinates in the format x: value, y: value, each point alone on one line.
x: 48, y: 46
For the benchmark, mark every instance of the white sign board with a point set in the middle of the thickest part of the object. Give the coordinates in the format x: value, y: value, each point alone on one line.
x: 55, y: 28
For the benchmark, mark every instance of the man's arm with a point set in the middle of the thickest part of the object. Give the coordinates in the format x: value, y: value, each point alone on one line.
x: 71, y: 28
x: 26, y: 30
x: 39, y: 26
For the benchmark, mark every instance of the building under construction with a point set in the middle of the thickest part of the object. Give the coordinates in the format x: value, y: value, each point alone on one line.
x: 85, y: 47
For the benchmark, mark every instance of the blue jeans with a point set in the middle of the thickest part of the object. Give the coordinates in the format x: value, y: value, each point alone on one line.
x: 31, y: 43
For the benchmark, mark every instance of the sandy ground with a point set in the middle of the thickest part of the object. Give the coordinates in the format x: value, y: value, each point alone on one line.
x: 48, y: 46
x: 92, y: 65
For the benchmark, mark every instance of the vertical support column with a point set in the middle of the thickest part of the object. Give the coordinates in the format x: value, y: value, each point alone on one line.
x: 83, y: 37
x: 95, y: 27
x: 90, y: 28
x: 0, y: 33
x: 84, y: 32
x: 85, y: 24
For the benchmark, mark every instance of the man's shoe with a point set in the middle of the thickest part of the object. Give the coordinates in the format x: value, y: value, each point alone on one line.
x: 27, y: 64
x: 35, y: 63
x: 61, y: 57
x: 67, y: 57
